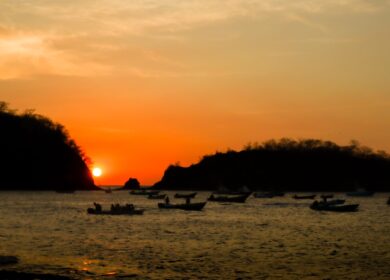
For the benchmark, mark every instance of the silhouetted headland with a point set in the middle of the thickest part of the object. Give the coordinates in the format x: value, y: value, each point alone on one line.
x: 286, y: 165
x: 38, y: 154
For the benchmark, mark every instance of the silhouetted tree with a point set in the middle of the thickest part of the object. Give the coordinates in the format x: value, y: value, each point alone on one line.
x: 38, y: 154
x: 286, y: 164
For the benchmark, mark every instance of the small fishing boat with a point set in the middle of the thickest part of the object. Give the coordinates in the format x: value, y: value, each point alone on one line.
x: 183, y: 195
x: 185, y: 206
x: 304, y: 196
x: 157, y: 196
x: 225, y: 191
x: 230, y: 193
x: 117, y: 209
x: 263, y: 195
x: 334, y: 201
x: 144, y: 192
x: 323, y: 206
x: 360, y: 193
x: 236, y: 198
x: 65, y: 191
x: 108, y: 190
x: 278, y: 193
x: 326, y: 196
x: 267, y: 194
x: 93, y: 211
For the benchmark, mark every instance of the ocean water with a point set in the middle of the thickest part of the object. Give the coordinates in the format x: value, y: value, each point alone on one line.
x: 278, y: 238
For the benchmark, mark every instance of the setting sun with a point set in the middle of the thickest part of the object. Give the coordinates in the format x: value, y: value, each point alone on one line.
x: 97, y: 172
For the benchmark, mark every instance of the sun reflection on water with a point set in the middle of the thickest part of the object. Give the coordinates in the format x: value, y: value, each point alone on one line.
x: 223, y: 241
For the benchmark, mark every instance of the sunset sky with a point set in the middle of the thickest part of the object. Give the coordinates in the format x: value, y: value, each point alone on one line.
x: 144, y: 84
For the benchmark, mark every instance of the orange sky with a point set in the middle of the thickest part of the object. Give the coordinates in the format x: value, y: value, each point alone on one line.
x: 141, y: 85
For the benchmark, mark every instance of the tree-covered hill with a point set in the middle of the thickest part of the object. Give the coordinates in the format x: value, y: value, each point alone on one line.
x: 38, y: 154
x: 286, y: 165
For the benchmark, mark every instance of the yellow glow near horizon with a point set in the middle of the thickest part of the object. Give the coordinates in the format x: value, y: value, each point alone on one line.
x: 97, y: 172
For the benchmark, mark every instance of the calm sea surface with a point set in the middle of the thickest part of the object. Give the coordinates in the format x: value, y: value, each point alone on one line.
x: 278, y: 238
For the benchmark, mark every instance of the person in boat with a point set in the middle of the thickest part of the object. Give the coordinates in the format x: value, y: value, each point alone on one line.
x: 115, y: 208
x: 167, y: 200
x: 129, y: 207
x: 188, y: 200
x: 98, y: 207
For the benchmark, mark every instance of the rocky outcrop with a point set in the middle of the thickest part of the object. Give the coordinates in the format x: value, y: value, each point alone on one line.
x: 131, y: 184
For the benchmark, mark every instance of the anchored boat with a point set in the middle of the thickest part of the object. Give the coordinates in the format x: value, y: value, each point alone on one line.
x: 93, y: 211
x: 323, y: 206
x: 116, y: 209
x: 236, y: 198
x: 157, y: 196
x: 144, y: 192
x: 304, y: 196
x: 360, y: 193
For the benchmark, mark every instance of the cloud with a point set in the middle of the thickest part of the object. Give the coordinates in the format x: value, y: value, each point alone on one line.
x: 139, y: 16
x: 310, y: 23
x: 107, y: 37
x: 24, y: 55
x: 3, y: 31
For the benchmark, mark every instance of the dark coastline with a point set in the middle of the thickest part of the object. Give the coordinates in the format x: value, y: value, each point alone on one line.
x: 38, y: 154
x: 286, y: 165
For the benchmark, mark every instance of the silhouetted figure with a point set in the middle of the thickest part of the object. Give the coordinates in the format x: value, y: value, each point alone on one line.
x: 188, y: 200
x: 115, y: 208
x: 167, y: 200
x: 98, y: 207
x: 129, y: 207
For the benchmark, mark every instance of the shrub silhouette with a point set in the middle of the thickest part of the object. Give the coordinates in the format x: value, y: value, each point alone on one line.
x: 286, y: 165
x: 38, y: 154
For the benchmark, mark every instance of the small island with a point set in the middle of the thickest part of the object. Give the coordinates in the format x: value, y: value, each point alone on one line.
x: 308, y: 165
x: 131, y: 184
x: 38, y: 154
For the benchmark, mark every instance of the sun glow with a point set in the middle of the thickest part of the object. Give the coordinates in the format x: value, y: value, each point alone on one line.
x: 97, y: 172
